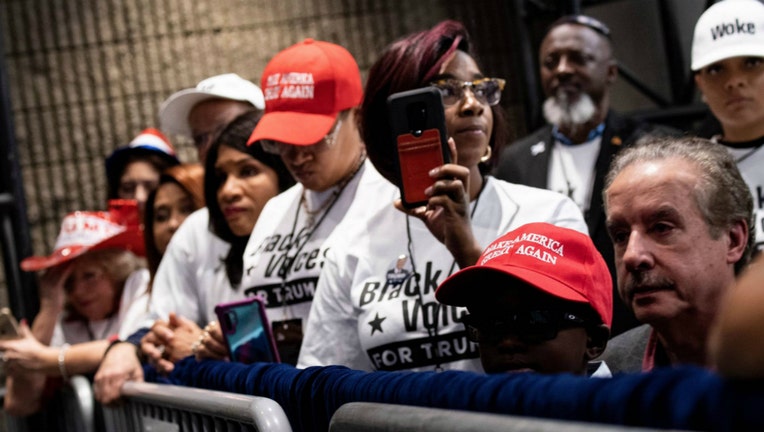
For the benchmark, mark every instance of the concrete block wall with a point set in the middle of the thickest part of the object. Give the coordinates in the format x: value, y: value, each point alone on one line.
x: 87, y: 75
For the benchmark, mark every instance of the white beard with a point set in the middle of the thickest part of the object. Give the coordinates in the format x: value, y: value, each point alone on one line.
x: 559, y: 111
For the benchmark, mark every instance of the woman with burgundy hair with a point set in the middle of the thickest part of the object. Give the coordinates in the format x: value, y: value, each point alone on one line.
x: 375, y: 300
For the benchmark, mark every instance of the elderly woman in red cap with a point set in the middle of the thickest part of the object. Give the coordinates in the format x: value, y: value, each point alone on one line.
x: 92, y: 289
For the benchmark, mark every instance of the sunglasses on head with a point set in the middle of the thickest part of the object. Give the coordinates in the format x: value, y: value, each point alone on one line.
x: 531, y: 326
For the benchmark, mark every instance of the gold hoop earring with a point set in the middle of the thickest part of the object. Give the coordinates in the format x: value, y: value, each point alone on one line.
x: 487, y: 156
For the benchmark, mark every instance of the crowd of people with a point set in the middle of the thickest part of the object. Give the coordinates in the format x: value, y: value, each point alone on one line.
x: 597, y: 245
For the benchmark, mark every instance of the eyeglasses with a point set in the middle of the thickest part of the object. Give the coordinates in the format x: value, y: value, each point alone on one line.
x: 531, y: 326
x: 486, y: 90
x: 279, y: 148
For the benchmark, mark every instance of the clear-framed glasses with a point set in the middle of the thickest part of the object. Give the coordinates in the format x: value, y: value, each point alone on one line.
x: 279, y: 148
x: 486, y: 90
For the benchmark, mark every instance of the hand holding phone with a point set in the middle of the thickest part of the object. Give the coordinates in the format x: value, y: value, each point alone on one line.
x: 9, y: 327
x: 247, y: 333
x: 418, y: 126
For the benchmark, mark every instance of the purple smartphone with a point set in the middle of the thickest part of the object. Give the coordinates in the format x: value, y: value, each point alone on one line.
x: 246, y: 331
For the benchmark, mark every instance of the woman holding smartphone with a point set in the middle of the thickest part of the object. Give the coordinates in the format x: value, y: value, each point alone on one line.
x: 238, y: 181
x: 375, y: 306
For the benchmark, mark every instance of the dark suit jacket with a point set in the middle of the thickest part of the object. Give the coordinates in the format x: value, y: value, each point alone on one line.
x: 527, y: 162
x: 624, y: 354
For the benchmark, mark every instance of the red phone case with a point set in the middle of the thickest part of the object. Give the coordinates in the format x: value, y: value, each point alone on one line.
x: 417, y: 156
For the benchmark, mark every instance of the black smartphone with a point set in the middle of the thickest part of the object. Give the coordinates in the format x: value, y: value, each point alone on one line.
x: 418, y: 125
x: 246, y: 331
x: 9, y: 327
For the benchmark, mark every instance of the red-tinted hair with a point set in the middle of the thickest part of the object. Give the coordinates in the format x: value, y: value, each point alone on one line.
x: 407, y: 64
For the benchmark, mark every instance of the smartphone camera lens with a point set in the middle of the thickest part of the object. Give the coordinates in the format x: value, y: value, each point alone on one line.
x: 231, y: 320
x: 417, y: 117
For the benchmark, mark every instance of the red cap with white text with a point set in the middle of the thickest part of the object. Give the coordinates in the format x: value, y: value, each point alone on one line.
x: 86, y: 231
x: 306, y: 86
x: 559, y: 261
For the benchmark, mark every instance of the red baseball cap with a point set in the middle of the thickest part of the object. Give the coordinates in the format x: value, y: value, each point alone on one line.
x: 559, y: 261
x: 306, y: 86
x: 85, y: 231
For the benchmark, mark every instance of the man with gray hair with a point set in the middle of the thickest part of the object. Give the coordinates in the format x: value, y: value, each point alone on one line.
x: 679, y: 214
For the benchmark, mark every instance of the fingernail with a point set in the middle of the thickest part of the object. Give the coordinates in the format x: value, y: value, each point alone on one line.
x: 428, y: 191
x: 434, y: 171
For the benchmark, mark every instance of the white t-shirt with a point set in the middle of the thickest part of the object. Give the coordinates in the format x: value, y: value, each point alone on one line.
x: 136, y: 296
x: 571, y: 170
x: 284, y: 256
x: 369, y: 315
x: 191, y: 277
x: 130, y: 317
x: 750, y: 162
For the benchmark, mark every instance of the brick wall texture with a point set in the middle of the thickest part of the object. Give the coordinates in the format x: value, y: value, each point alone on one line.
x: 87, y: 75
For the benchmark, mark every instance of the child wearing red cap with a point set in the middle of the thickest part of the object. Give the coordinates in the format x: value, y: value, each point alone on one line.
x: 540, y: 299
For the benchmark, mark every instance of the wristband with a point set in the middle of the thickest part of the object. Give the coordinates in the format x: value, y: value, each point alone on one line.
x: 62, y: 361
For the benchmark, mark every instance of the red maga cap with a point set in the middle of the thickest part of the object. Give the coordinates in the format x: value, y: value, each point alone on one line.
x: 85, y: 231
x: 556, y: 260
x: 306, y: 86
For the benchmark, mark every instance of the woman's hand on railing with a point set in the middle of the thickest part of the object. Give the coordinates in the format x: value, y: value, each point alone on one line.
x: 119, y: 365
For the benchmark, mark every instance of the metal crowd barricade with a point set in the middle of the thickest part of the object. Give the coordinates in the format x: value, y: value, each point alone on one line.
x: 72, y: 409
x: 378, y: 417
x: 165, y: 408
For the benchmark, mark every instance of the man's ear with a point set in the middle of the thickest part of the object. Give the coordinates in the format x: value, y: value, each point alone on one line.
x: 612, y: 71
x: 596, y: 341
x: 738, y: 235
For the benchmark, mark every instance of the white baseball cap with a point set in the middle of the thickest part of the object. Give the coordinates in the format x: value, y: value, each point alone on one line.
x: 173, y: 113
x: 729, y: 28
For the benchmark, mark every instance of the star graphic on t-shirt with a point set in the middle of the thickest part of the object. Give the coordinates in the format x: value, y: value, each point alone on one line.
x: 376, y: 324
